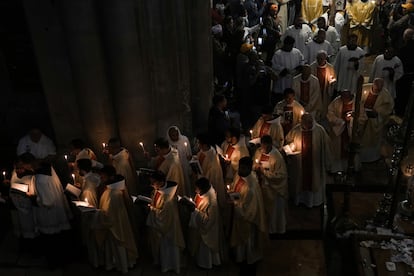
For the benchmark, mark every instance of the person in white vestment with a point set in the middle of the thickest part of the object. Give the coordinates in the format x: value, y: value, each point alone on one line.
x: 234, y: 148
x: 79, y: 150
x: 211, y: 167
x: 121, y: 159
x: 165, y: 233
x: 388, y: 67
x: 286, y: 63
x: 112, y: 228
x: 326, y: 76
x: 23, y: 223
x: 268, y: 125
x: 289, y: 110
x: 38, y: 144
x: 168, y: 161
x: 332, y: 36
x: 90, y: 182
x: 180, y: 142
x: 317, y: 44
x: 248, y: 221
x: 204, y: 226
x: 308, y: 92
x: 272, y: 174
x: 52, y: 213
x: 301, y: 32
x: 377, y: 106
x: 348, y: 65
x: 340, y: 118
x: 308, y: 168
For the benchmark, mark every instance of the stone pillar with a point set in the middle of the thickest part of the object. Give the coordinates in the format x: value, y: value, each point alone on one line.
x: 54, y: 70
x: 89, y: 70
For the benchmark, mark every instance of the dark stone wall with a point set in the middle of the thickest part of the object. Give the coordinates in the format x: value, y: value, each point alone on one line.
x: 123, y: 68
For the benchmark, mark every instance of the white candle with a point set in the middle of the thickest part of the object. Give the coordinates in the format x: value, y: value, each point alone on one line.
x: 301, y: 112
x: 73, y: 176
x: 227, y: 156
x: 365, y: 92
x: 228, y: 187
x: 86, y: 200
x: 259, y: 41
x: 103, y: 145
x: 257, y: 161
x: 66, y: 157
x: 251, y: 132
x: 4, y: 174
x: 191, y: 199
x: 142, y: 146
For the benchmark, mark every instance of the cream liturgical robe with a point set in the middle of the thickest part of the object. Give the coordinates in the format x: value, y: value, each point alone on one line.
x: 52, y: 213
x: 234, y: 153
x: 312, y: 49
x: 381, y: 69
x: 308, y: 179
x: 301, y: 35
x: 348, y: 68
x: 204, y: 222
x: 272, y: 128
x: 340, y: 132
x: 290, y: 114
x: 123, y: 164
x: 89, y: 184
x: 327, y: 79
x: 119, y: 249
x: 40, y: 150
x: 211, y: 167
x: 308, y: 93
x: 25, y: 224
x: 249, y: 223
x: 170, y: 165
x: 166, y: 238
x: 372, y: 129
x: 274, y: 185
x: 311, y: 10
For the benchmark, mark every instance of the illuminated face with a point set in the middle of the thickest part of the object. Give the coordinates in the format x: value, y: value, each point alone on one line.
x: 173, y: 133
x: 289, y: 98
x: 266, y: 148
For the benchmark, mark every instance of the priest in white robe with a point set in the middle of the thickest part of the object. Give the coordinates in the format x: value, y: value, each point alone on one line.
x: 308, y: 93
x: 388, y: 67
x: 317, y: 44
x: 38, y: 144
x: 249, y: 223
x: 121, y: 159
x: 272, y: 174
x: 348, y: 65
x: 168, y: 162
x: 289, y: 110
x: 90, y: 182
x: 309, y: 167
x: 113, y: 229
x: 204, y: 225
x: 301, y: 32
x: 377, y: 106
x: 163, y: 221
x: 268, y: 125
x: 326, y: 76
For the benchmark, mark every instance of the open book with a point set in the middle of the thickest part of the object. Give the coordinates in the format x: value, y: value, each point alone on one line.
x: 24, y: 188
x: 141, y: 198
x: 220, y: 151
x: 196, y: 166
x: 290, y: 149
x: 255, y: 141
x: 73, y: 190
x: 186, y: 199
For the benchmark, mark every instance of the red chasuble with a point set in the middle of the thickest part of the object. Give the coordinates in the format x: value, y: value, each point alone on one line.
x: 264, y: 157
x: 197, y: 200
x: 229, y: 151
x: 370, y: 101
x: 239, y: 185
x: 264, y: 129
x: 305, y: 92
x: 321, y: 75
x: 307, y: 176
x: 156, y: 197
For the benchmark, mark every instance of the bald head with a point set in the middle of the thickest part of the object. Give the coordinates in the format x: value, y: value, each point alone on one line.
x: 408, y: 34
x: 377, y: 85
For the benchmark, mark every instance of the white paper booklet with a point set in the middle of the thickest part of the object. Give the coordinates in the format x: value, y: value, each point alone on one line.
x: 20, y: 187
x: 144, y: 198
x: 73, y: 190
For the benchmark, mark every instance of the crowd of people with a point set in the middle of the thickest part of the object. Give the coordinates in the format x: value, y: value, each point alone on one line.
x: 289, y: 102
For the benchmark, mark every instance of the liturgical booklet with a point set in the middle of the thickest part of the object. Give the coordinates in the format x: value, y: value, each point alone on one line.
x: 24, y: 188
x: 73, y: 190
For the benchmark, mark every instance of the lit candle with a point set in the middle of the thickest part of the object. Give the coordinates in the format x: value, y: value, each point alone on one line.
x: 228, y: 187
x: 301, y: 112
x: 86, y: 200
x: 365, y: 92
x: 191, y: 199
x: 66, y: 157
x: 251, y: 132
x: 4, y: 174
x: 259, y: 41
x: 73, y: 176
x: 227, y: 156
x: 292, y: 146
x: 103, y: 145
x: 185, y: 144
x: 257, y: 161
x: 142, y: 146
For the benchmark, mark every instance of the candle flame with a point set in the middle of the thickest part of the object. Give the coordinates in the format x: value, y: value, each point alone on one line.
x: 185, y: 143
x: 4, y: 173
x: 227, y: 156
x: 86, y: 200
x: 104, y: 145
x: 301, y: 112
x: 257, y: 161
x: 66, y: 157
x: 228, y: 187
x: 141, y: 144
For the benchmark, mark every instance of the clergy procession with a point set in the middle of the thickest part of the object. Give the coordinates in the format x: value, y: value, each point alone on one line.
x: 291, y: 98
